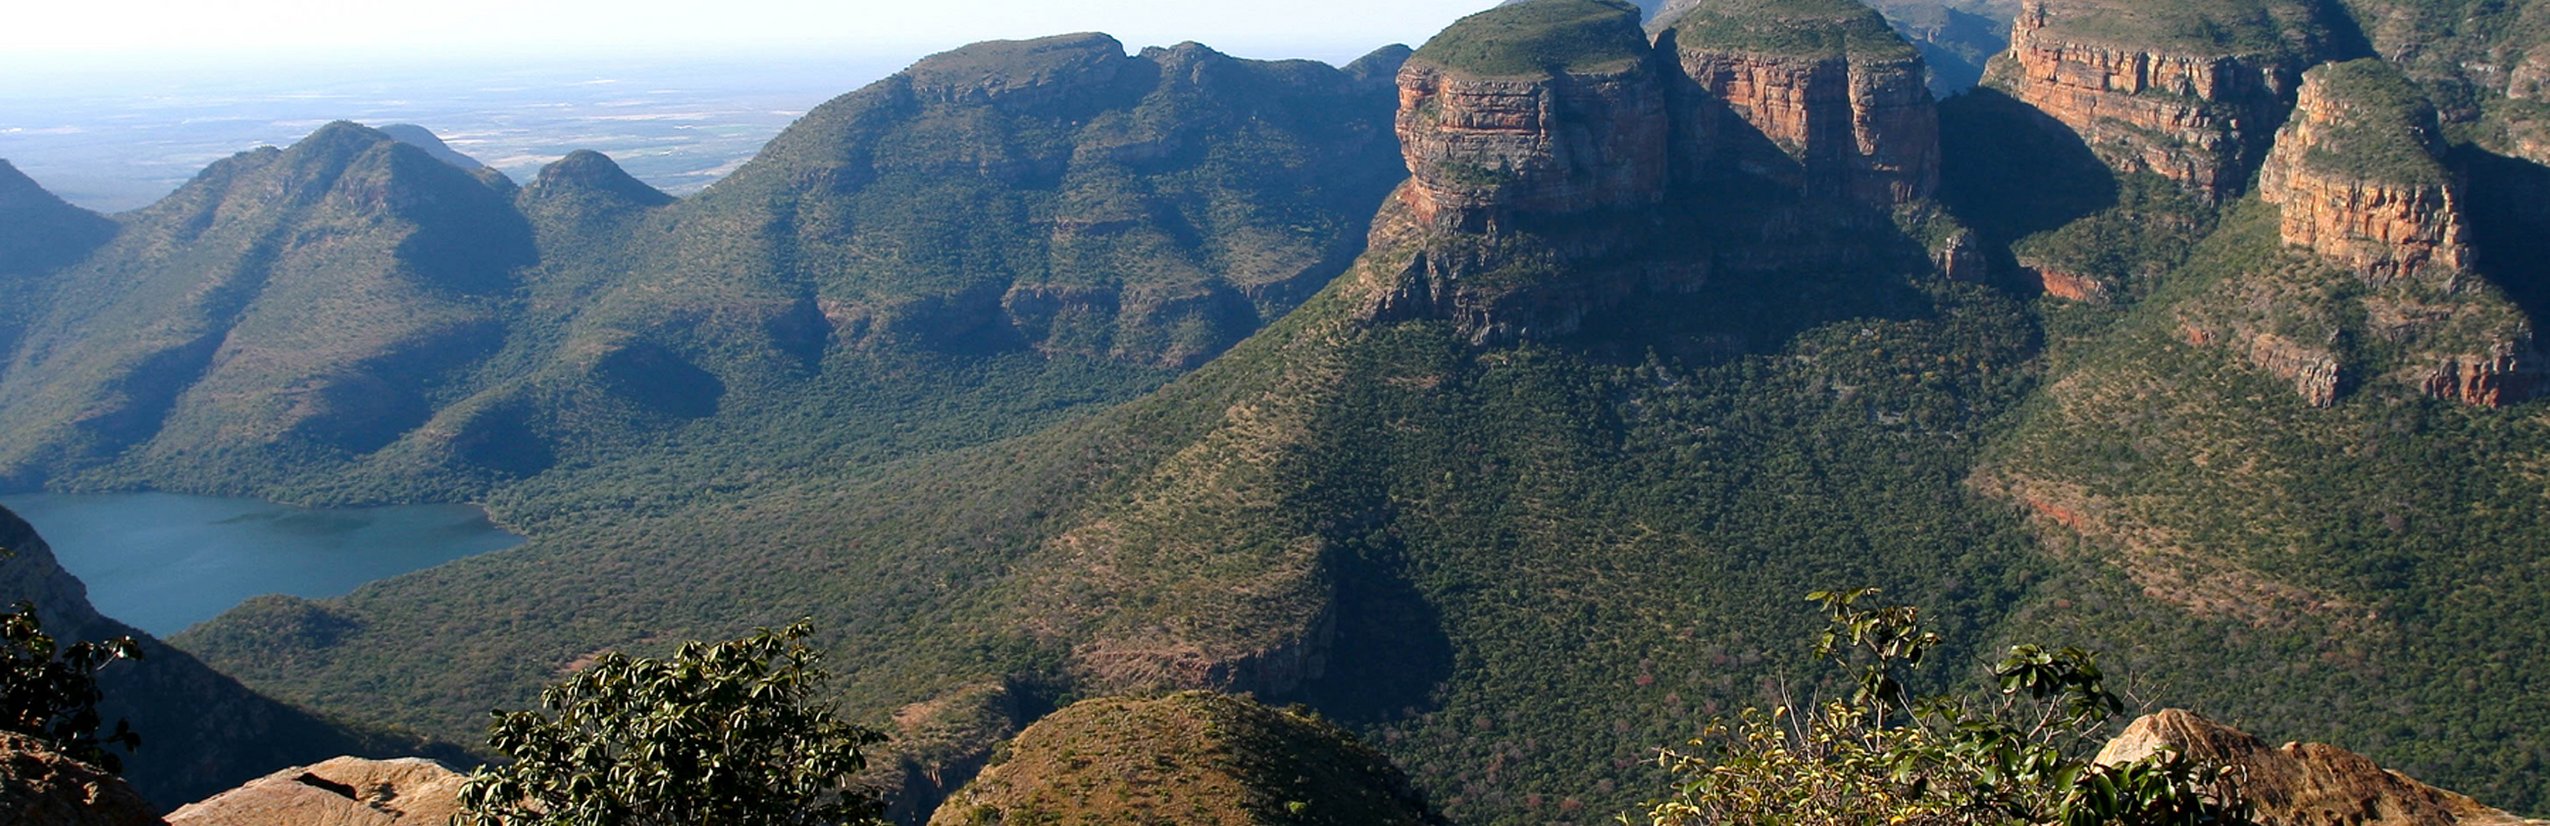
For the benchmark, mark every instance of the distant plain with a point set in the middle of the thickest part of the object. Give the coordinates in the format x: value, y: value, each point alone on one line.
x: 120, y: 143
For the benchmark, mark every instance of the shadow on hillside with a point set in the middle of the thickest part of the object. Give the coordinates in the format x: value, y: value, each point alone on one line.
x: 2012, y: 171
x: 2510, y: 225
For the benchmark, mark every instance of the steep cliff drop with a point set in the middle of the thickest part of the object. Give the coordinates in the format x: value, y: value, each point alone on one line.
x: 2358, y: 180
x: 1817, y: 94
x: 2190, y: 91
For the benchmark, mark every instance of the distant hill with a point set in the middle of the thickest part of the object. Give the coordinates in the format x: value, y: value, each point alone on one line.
x: 1032, y: 225
x: 422, y: 138
x: 39, y: 231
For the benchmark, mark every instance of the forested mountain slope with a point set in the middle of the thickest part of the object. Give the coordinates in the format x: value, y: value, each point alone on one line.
x: 2193, y: 336
x: 959, y: 252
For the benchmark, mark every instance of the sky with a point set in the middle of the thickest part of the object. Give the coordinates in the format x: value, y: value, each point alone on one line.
x: 180, y: 35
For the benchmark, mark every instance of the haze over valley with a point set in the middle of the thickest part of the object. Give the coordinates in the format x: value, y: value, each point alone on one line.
x: 1092, y: 428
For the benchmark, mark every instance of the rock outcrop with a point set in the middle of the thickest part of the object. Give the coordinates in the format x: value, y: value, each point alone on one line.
x: 1497, y: 119
x: 2356, y: 174
x: 1818, y: 94
x: 41, y: 787
x: 2180, y: 89
x: 2358, y: 179
x: 2304, y: 784
x: 346, y: 791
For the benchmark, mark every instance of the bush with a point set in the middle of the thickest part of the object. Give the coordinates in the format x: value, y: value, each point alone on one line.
x: 49, y: 691
x: 727, y: 733
x: 1884, y: 757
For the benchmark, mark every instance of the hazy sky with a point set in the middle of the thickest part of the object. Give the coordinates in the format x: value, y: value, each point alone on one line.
x: 177, y: 32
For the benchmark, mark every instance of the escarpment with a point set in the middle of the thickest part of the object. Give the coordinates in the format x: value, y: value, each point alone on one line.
x: 1818, y: 94
x: 1505, y: 115
x: 2189, y: 91
x: 2357, y: 179
x: 2356, y: 175
x: 1562, y: 164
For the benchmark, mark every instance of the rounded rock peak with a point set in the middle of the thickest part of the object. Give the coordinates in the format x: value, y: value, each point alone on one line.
x: 1541, y: 38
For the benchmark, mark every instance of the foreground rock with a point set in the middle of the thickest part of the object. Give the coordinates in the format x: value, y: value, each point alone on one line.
x: 2305, y: 783
x: 1193, y: 758
x: 41, y: 787
x: 346, y: 791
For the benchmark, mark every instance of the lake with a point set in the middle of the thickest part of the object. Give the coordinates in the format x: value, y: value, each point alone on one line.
x: 162, y: 562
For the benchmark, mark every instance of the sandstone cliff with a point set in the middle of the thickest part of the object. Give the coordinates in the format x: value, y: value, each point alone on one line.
x: 346, y: 791
x: 2190, y: 91
x: 2357, y: 178
x: 1548, y: 108
x: 2304, y: 784
x: 2356, y: 175
x: 1819, y: 95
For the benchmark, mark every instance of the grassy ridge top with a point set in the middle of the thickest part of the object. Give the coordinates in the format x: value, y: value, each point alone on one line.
x: 1791, y: 28
x: 1191, y: 757
x: 1541, y: 37
x: 2385, y: 130
x: 2204, y: 28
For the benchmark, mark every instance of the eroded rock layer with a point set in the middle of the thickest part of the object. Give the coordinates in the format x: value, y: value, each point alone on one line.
x: 2356, y: 176
x: 1491, y: 128
x: 2146, y: 96
x: 1818, y: 94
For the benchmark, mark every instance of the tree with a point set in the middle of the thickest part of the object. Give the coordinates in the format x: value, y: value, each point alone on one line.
x: 49, y: 691
x: 2020, y: 755
x: 730, y: 733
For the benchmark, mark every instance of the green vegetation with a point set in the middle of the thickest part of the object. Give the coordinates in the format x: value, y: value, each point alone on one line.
x: 2021, y: 755
x: 1791, y: 28
x: 733, y: 732
x: 1189, y: 758
x: 2236, y: 539
x: 1542, y: 37
x: 49, y: 690
x: 2385, y: 131
x: 2201, y: 28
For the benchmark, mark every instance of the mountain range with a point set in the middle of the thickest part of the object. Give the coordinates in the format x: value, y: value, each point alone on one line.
x: 1496, y: 398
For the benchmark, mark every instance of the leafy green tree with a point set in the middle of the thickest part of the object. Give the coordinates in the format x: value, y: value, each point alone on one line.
x: 730, y: 733
x: 49, y: 690
x: 1881, y: 756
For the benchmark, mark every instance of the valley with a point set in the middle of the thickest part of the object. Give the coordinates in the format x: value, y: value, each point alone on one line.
x: 1495, y: 400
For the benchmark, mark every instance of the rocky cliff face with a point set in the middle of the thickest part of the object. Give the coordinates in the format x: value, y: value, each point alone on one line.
x: 2145, y: 95
x: 346, y: 791
x: 2356, y: 176
x: 2304, y: 784
x: 1818, y: 94
x: 1491, y: 136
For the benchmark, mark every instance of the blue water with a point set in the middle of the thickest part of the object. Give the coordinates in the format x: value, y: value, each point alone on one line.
x: 162, y: 562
